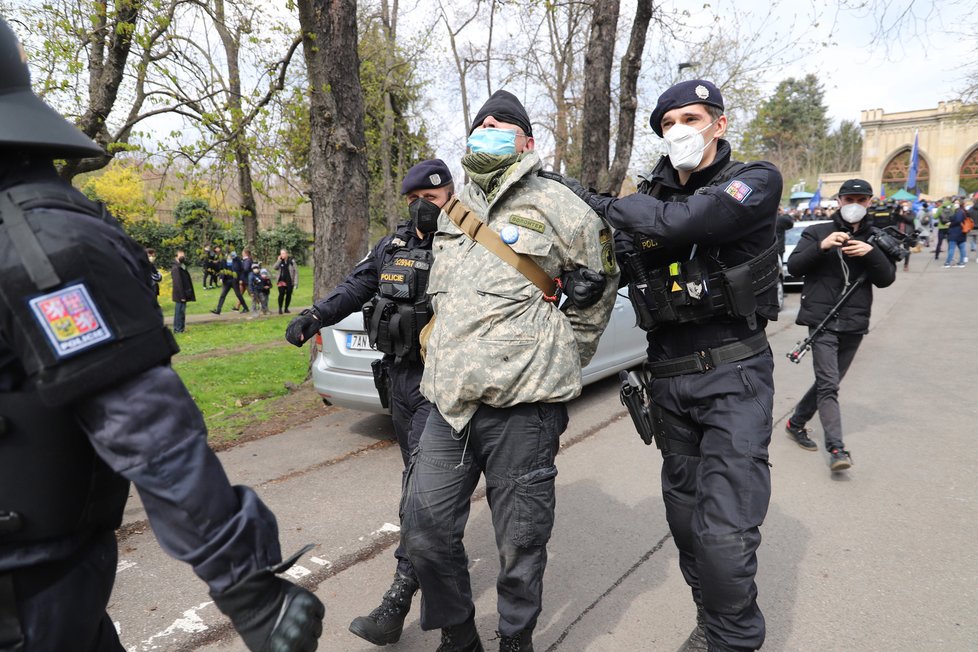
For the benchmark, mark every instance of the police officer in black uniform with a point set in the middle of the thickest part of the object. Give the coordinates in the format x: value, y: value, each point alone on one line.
x: 697, y: 247
x: 89, y: 403
x: 390, y: 285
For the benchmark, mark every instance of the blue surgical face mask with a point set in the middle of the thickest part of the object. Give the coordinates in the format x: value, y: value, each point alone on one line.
x: 493, y: 141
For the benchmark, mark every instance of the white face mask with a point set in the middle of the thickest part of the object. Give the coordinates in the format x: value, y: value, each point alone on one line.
x: 853, y: 213
x: 684, y: 148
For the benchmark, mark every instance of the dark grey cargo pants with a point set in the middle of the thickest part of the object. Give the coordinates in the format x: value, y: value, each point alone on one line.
x: 515, y: 448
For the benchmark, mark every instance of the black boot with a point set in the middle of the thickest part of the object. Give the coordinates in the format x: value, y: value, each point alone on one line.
x: 461, y: 638
x: 384, y: 624
x: 697, y: 639
x: 522, y: 642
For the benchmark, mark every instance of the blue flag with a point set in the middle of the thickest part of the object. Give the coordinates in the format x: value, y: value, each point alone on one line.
x: 816, y: 199
x: 914, y: 164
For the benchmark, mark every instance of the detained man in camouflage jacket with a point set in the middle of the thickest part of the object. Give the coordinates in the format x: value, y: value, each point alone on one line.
x: 501, y: 362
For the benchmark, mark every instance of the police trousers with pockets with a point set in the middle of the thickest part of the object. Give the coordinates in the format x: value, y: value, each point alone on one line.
x: 409, y: 412
x: 715, y: 503
x: 515, y: 448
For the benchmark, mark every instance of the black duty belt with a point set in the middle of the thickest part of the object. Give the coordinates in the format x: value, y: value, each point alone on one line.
x: 708, y: 358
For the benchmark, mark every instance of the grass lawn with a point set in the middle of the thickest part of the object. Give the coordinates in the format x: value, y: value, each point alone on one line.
x: 242, y: 374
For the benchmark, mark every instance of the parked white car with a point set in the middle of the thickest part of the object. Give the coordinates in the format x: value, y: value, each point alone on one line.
x: 342, y: 375
x: 791, y: 238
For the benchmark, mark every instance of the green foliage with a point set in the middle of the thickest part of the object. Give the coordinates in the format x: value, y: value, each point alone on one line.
x: 197, y: 226
x: 789, y: 125
x: 284, y: 236
x: 164, y: 238
x: 122, y: 189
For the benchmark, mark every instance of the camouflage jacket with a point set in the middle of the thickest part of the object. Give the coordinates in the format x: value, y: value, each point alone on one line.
x: 495, y: 340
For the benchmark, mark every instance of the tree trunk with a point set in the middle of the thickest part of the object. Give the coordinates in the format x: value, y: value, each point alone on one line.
x: 631, y: 65
x: 596, y: 117
x: 337, y: 153
x: 231, y: 43
x: 112, y: 41
x: 389, y: 19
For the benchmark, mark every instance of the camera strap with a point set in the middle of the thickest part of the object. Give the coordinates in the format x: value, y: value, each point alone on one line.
x: 466, y: 220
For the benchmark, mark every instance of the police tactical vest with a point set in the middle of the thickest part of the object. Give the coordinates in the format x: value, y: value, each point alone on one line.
x: 77, y: 306
x: 394, y: 318
x: 669, y: 286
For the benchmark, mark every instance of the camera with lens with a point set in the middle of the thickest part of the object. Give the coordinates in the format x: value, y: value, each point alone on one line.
x: 894, y: 244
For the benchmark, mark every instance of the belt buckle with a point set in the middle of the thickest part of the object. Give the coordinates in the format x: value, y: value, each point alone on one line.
x: 704, y: 359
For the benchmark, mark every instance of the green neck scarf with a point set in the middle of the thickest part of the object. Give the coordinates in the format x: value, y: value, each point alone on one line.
x: 488, y: 171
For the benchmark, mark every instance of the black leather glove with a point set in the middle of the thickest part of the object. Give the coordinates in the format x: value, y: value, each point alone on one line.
x: 304, y: 327
x: 583, y: 286
x: 597, y: 202
x: 271, y: 614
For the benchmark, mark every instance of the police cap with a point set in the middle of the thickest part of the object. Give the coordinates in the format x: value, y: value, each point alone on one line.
x: 432, y: 173
x: 856, y: 187
x: 694, y: 91
x: 27, y: 123
x: 505, y: 107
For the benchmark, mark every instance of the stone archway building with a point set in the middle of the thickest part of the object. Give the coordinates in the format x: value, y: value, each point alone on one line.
x: 948, y: 148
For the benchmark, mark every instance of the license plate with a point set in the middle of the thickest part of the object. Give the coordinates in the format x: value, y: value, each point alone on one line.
x: 357, y: 342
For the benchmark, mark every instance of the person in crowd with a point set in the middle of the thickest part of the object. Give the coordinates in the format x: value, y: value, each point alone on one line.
x: 942, y: 215
x: 830, y: 257
x: 183, y: 291
x: 229, y: 280
x: 502, y: 360
x: 90, y: 403
x: 156, y: 276
x: 392, y: 280
x: 254, y: 288
x: 956, y: 238
x: 698, y: 249
x: 264, y: 288
x: 972, y: 212
x: 244, y: 274
x: 288, y: 279
x: 209, y: 266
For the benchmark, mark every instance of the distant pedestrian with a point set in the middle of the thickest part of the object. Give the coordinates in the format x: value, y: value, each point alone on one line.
x: 972, y: 212
x: 244, y: 274
x: 253, y: 288
x: 265, y: 288
x: 229, y: 279
x: 956, y: 237
x: 209, y: 263
x: 288, y: 279
x: 183, y: 291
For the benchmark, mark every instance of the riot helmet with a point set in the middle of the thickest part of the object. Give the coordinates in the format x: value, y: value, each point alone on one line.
x: 27, y: 123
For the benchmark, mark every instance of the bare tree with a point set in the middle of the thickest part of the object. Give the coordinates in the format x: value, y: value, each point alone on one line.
x: 337, y: 160
x: 631, y: 65
x: 462, y: 64
x: 388, y: 16
x: 598, y: 62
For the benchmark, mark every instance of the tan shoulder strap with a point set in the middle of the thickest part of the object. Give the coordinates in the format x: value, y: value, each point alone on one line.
x: 476, y: 229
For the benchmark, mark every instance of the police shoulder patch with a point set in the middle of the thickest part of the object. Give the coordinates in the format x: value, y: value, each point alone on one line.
x: 738, y: 190
x: 607, y: 251
x: 527, y: 223
x: 70, y: 320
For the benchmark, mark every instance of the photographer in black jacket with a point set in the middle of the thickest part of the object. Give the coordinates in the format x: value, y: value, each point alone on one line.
x: 831, y: 256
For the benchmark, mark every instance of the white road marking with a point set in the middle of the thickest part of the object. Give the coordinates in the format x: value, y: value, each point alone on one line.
x: 298, y: 571
x: 123, y: 565
x: 322, y: 562
x: 191, y: 623
x: 387, y: 527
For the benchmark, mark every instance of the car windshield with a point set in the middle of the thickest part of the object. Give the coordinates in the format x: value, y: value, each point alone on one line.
x: 792, y: 236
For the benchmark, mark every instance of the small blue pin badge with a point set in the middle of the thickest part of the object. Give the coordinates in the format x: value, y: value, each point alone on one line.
x: 509, y: 234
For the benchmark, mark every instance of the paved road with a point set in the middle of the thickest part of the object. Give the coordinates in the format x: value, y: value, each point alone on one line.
x: 881, y: 558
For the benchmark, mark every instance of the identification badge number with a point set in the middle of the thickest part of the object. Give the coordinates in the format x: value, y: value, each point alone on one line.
x: 70, y: 320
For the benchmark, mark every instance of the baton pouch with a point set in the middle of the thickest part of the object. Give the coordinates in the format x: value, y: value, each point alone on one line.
x: 382, y: 381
